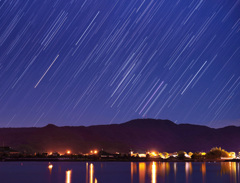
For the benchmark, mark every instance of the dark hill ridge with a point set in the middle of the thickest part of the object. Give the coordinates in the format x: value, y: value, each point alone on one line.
x: 139, y: 135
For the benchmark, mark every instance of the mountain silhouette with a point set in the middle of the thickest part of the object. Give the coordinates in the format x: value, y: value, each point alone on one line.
x: 138, y: 135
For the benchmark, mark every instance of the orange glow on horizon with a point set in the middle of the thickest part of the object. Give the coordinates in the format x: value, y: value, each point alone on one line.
x: 68, y: 152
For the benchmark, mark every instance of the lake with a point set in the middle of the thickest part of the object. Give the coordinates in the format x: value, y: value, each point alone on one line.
x: 119, y: 172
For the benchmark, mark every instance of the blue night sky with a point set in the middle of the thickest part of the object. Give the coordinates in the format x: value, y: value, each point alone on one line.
x: 89, y: 62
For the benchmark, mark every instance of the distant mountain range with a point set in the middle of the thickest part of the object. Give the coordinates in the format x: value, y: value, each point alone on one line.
x: 139, y: 135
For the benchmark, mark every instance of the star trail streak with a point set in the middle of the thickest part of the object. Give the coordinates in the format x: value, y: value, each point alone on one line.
x: 86, y: 62
x: 46, y: 72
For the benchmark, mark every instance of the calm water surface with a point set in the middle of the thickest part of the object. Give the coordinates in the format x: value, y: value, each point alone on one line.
x: 119, y: 172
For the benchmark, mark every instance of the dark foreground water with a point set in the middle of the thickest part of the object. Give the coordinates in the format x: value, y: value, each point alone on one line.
x: 122, y: 172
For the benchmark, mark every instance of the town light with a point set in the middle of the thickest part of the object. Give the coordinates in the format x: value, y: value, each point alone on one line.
x: 153, y: 154
x: 68, y: 152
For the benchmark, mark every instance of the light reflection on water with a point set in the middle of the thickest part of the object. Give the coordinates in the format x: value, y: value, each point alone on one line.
x: 142, y: 172
x: 133, y: 170
x: 120, y: 172
x: 232, y: 169
x: 175, y: 169
x: 154, y: 172
x: 91, y: 178
x: 203, y: 170
x: 158, y: 171
x: 91, y: 173
x: 50, y: 166
x: 68, y: 176
x: 188, y: 170
x: 161, y: 170
x: 86, y: 172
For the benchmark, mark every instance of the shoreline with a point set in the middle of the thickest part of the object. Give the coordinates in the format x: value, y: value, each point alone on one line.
x: 112, y: 160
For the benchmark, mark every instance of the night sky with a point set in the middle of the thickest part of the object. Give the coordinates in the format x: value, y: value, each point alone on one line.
x: 89, y: 62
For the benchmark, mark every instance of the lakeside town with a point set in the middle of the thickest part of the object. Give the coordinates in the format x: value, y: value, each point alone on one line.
x: 215, y: 154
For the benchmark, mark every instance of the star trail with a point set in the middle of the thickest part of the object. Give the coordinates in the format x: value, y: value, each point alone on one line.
x: 89, y: 62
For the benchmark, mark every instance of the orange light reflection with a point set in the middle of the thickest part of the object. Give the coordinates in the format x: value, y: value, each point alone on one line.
x: 142, y: 172
x: 231, y: 169
x: 86, y: 172
x: 154, y: 172
x: 91, y: 173
x: 188, y: 170
x: 203, y: 169
x: 133, y: 170
x: 50, y: 166
x: 68, y: 176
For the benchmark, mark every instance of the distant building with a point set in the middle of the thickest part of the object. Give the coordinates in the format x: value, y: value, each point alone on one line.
x: 55, y: 154
x: 137, y: 154
x: 232, y: 154
x: 238, y: 156
x: 142, y: 155
x: 44, y: 154
x: 153, y: 154
x: 175, y: 154
x: 8, y: 150
x: 131, y: 153
x: 104, y: 154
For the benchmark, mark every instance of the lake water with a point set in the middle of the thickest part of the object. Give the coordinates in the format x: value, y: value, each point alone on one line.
x: 119, y: 172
